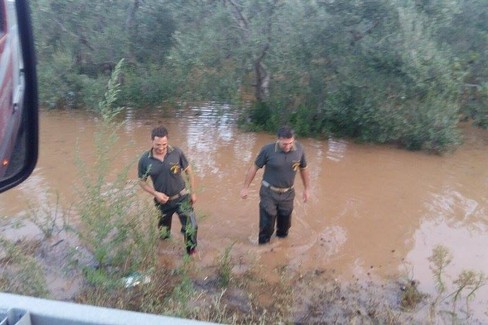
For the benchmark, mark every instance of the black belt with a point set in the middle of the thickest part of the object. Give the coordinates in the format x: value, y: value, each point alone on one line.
x: 183, y: 192
x: 277, y: 189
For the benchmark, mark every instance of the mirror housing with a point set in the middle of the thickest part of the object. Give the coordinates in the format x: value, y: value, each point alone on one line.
x: 19, y: 121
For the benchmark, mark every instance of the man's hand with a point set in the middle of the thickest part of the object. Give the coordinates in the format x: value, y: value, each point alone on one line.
x: 161, y: 197
x: 244, y: 193
x: 247, y: 182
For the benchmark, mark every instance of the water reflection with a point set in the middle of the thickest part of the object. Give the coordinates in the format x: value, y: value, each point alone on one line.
x: 337, y: 149
x: 452, y: 203
x: 208, y: 132
x: 333, y: 239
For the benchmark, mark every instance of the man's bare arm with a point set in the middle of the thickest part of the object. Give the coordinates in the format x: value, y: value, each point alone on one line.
x: 251, y: 173
x: 305, y: 175
x: 160, y: 197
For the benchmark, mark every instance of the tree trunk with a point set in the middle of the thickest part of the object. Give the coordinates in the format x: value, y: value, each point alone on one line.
x: 262, y: 77
x: 130, y: 26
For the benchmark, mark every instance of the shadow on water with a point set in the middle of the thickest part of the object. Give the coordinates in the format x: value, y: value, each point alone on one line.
x: 376, y: 212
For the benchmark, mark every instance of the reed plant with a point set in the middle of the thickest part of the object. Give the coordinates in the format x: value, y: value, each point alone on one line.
x: 48, y: 218
x: 116, y: 227
x: 225, y: 267
x: 462, y: 289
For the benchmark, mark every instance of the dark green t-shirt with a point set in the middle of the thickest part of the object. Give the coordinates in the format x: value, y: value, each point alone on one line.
x: 281, y: 167
x: 165, y: 175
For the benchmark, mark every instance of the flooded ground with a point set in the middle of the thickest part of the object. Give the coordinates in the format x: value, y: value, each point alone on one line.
x: 375, y: 211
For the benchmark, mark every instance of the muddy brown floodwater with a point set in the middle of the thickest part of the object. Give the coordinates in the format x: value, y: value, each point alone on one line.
x: 375, y: 211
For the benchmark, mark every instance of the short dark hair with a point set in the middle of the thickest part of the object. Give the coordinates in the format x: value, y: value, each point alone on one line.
x: 159, y: 132
x: 286, y: 132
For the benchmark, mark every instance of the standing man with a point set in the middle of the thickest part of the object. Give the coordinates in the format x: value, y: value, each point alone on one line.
x: 282, y: 159
x: 165, y: 165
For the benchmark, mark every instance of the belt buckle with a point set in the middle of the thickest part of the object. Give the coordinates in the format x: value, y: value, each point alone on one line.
x: 280, y: 190
x: 276, y: 189
x: 177, y: 196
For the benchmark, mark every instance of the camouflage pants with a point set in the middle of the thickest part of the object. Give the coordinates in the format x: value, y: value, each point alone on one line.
x: 186, y: 214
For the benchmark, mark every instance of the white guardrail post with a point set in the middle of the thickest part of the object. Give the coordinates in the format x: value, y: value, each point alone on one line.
x: 24, y: 310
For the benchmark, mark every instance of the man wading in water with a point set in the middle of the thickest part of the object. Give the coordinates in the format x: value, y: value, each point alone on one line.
x: 282, y: 159
x: 165, y: 165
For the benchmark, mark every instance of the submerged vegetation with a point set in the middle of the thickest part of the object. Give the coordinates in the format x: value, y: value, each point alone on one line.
x: 386, y: 71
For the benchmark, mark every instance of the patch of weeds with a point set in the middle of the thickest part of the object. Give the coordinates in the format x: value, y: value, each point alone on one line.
x: 463, y: 288
x: 225, y: 267
x: 117, y: 229
x: 17, y: 224
x: 154, y: 295
x: 215, y: 311
x: 330, y: 301
x: 164, y: 233
x: 46, y: 218
x: 149, y: 297
x: 101, y: 278
x: 20, y: 272
x: 440, y: 259
x: 178, y: 304
x: 411, y: 296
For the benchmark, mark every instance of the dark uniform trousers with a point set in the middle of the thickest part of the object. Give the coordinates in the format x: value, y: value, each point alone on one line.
x: 186, y: 214
x: 274, y: 208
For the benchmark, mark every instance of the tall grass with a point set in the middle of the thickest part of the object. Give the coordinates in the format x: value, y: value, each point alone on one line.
x: 225, y: 267
x: 115, y: 226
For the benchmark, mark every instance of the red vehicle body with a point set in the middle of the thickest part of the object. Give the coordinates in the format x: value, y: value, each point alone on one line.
x: 11, y: 83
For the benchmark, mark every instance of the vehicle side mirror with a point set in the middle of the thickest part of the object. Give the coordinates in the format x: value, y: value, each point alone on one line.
x: 19, y: 121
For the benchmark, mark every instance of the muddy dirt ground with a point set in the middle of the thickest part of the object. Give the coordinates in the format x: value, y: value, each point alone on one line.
x: 314, y: 297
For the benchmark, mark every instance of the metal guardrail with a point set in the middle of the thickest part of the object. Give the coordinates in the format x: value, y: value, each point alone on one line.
x: 24, y: 310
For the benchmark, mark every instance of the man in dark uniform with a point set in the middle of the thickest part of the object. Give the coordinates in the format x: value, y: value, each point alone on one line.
x: 282, y: 159
x: 165, y: 164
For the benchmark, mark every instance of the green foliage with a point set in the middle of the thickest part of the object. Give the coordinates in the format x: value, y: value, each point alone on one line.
x: 439, y: 260
x: 99, y: 277
x: 476, y: 105
x: 148, y: 86
x: 260, y: 117
x: 178, y: 303
x: 117, y: 228
x: 470, y: 281
x: 467, y: 35
x: 379, y: 71
x: 106, y: 107
x: 225, y: 267
x: 57, y: 89
x: 381, y: 78
x: 79, y: 42
x: 427, y: 126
